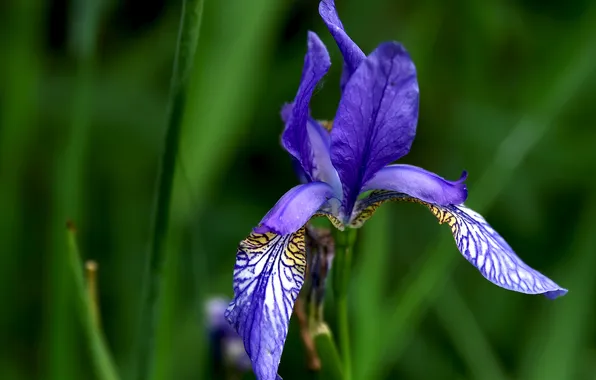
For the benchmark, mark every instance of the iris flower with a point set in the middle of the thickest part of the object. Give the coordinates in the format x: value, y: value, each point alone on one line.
x: 374, y: 125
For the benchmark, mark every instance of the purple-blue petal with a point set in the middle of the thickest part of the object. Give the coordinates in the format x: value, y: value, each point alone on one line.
x: 477, y: 241
x: 484, y: 248
x: 376, y: 119
x: 268, y: 276
x: 352, y: 54
x: 419, y: 183
x: 322, y: 168
x: 295, y: 208
x: 318, y: 162
x: 295, y: 136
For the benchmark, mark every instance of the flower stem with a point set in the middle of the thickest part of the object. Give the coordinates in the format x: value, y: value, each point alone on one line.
x: 188, y: 35
x: 344, y: 246
x: 344, y: 336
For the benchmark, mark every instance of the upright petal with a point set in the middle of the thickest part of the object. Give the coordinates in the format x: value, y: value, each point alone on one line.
x: 321, y: 168
x: 295, y: 208
x: 352, y: 54
x: 295, y: 136
x: 478, y: 242
x: 268, y: 276
x: 420, y: 184
x: 376, y: 120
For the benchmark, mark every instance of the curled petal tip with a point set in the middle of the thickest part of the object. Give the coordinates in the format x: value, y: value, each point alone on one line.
x: 555, y: 293
x: 460, y: 184
x: 463, y: 177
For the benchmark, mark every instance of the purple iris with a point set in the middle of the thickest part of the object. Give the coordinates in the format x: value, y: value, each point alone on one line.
x: 375, y: 125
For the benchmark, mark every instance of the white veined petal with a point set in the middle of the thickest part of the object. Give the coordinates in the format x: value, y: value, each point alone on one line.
x: 268, y: 275
x: 478, y: 242
x: 482, y: 246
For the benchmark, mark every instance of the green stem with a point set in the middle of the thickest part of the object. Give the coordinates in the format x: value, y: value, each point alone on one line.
x: 67, y: 194
x: 103, y: 363
x: 344, y: 246
x: 188, y: 35
x: 344, y: 336
x: 331, y: 367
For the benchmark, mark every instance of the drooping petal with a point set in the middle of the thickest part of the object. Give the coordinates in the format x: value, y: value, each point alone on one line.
x: 295, y: 208
x: 352, y: 54
x: 376, y: 120
x: 268, y: 276
x: 478, y: 242
x: 295, y: 136
x: 419, y: 183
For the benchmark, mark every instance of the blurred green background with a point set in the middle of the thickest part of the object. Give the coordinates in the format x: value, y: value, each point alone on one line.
x: 507, y: 91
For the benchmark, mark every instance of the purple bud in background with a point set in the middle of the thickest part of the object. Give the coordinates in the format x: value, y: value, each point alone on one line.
x: 226, y: 345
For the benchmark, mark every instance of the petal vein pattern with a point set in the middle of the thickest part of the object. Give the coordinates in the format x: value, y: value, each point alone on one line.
x: 268, y: 276
x: 478, y: 242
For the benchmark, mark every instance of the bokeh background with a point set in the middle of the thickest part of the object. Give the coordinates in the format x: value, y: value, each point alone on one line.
x: 507, y: 93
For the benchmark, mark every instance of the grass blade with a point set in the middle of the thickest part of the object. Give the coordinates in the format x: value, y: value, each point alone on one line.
x: 20, y: 70
x: 67, y: 184
x: 188, y: 36
x: 468, y: 338
x: 102, y: 360
x: 372, y: 254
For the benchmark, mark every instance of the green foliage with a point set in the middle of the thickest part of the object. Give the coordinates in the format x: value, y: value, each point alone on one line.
x: 506, y: 91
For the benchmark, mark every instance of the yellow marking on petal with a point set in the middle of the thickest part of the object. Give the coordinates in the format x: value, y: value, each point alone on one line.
x: 442, y: 215
x: 257, y: 241
x: 295, y: 252
x: 336, y: 222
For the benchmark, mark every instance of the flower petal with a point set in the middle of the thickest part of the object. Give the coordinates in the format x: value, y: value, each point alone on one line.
x: 295, y: 136
x: 268, y: 275
x: 484, y: 248
x: 376, y: 119
x: 295, y: 208
x: 321, y: 168
x: 478, y: 242
x: 420, y: 184
x: 352, y: 54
